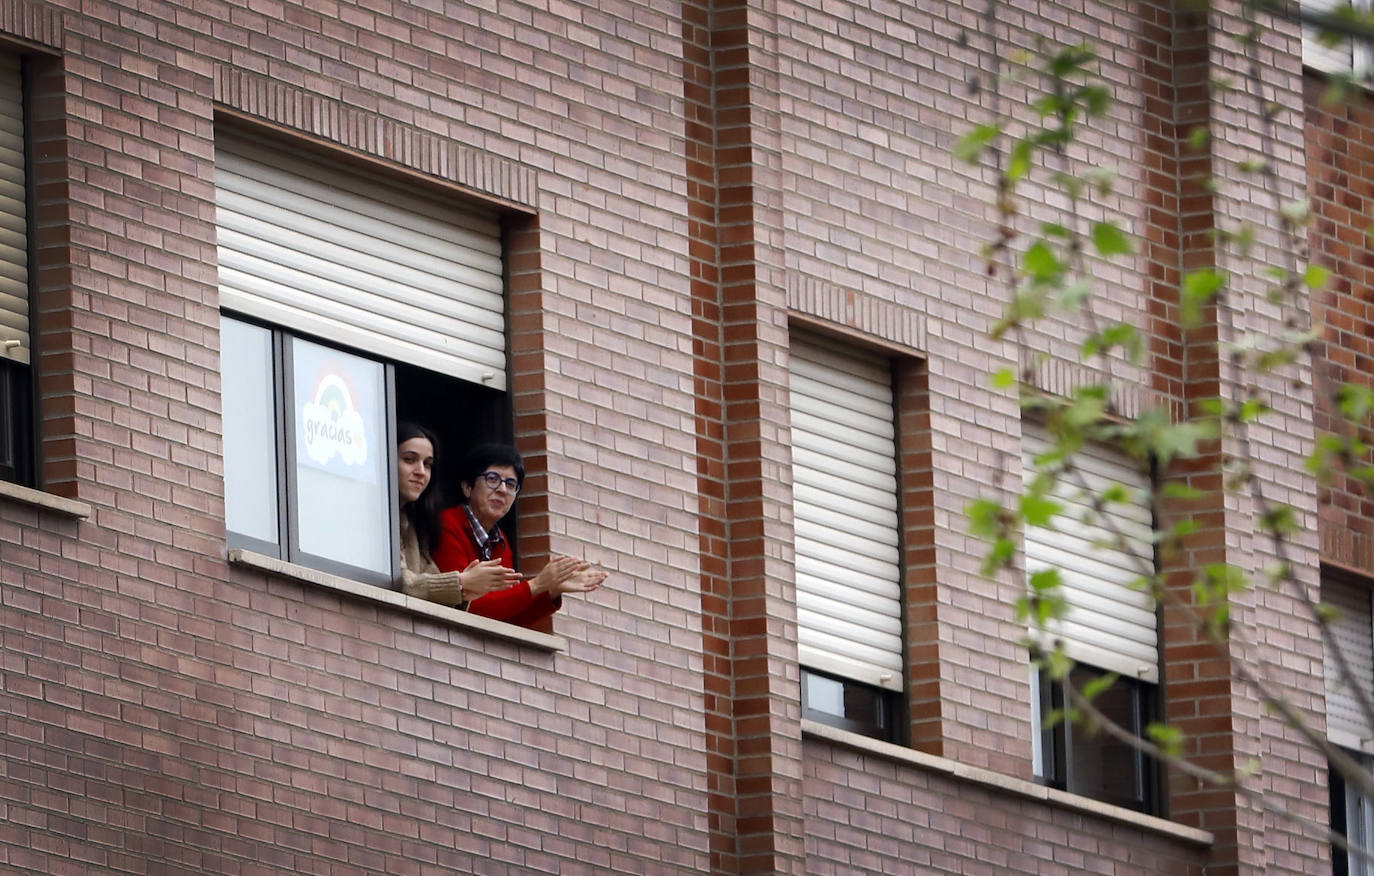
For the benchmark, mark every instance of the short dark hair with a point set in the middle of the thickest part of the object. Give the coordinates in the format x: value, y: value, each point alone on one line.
x: 484, y: 456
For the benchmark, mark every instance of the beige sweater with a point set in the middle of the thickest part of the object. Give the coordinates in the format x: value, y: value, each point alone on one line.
x: 421, y: 578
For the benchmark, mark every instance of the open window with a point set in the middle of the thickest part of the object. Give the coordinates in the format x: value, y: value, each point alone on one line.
x: 350, y: 301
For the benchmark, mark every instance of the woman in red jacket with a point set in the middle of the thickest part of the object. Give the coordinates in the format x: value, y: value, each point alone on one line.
x: 491, y: 476
x: 417, y: 448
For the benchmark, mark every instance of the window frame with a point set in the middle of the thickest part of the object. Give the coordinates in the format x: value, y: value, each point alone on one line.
x: 1343, y: 800
x: 21, y: 437
x: 17, y: 433
x: 287, y: 546
x: 1054, y: 747
x: 886, y: 704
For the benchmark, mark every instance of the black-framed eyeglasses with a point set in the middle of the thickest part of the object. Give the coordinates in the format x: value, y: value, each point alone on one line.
x: 494, y: 480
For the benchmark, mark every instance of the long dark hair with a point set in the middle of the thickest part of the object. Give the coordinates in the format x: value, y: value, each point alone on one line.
x: 423, y: 513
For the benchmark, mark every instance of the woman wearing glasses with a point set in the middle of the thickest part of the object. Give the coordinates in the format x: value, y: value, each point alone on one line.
x: 491, y: 476
x: 417, y: 449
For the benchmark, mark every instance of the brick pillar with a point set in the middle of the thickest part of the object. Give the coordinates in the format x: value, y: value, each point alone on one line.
x: 53, y: 310
x: 739, y: 317
x: 1222, y: 718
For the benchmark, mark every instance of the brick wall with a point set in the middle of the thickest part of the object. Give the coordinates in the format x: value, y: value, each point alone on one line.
x: 681, y: 184
x: 166, y: 713
x: 1341, y: 170
x: 867, y: 814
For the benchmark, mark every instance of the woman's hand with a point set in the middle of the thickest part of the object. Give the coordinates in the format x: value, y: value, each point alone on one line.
x: 483, y: 576
x: 555, y: 575
x: 584, y: 581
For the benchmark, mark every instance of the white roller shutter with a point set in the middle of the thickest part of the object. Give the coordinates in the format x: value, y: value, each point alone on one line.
x: 1346, y: 56
x: 14, y: 245
x: 844, y: 471
x: 1109, y: 624
x: 326, y: 252
x: 1353, y: 629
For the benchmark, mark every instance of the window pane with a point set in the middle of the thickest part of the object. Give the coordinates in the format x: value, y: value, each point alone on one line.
x: 824, y: 694
x: 1358, y: 829
x: 250, y: 435
x: 1037, y: 727
x: 341, y: 502
x: 1104, y: 768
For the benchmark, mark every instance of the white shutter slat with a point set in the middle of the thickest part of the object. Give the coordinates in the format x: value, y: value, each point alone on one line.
x: 1108, y: 623
x: 812, y: 459
x: 855, y: 540
x: 1329, y: 59
x: 832, y: 564
x: 15, y: 338
x: 328, y: 253
x: 873, y: 592
x: 1353, y: 631
x: 819, y: 399
x: 845, y: 509
x: 860, y: 503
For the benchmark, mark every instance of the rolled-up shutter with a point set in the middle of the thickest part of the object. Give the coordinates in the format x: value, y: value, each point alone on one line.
x: 1108, y: 623
x: 1337, y: 58
x: 1353, y: 630
x: 844, y: 474
x: 323, y: 251
x: 14, y: 247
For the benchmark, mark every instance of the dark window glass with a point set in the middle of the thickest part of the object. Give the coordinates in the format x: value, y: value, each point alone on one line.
x: 16, y: 427
x: 1352, y: 816
x: 1075, y: 757
x: 849, y: 705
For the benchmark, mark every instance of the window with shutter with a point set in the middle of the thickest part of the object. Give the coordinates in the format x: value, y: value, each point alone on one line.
x: 16, y: 334
x: 1109, y: 624
x: 845, y: 507
x: 349, y: 303
x: 1352, y: 630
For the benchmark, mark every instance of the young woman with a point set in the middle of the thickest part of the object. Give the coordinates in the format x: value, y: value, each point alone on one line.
x: 491, y: 477
x: 416, y: 450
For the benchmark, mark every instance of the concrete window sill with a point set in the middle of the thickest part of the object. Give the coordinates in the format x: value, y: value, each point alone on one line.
x: 45, y: 501
x: 396, y: 599
x: 1007, y: 784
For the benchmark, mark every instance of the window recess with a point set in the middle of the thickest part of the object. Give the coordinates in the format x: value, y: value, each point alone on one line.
x: 847, y: 536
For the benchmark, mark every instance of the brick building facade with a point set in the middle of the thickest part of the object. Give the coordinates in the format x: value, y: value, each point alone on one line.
x: 679, y: 196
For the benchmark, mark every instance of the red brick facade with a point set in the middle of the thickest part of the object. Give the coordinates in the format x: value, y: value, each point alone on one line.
x: 681, y: 186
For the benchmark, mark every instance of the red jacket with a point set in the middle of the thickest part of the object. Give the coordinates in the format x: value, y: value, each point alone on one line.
x: 458, y: 547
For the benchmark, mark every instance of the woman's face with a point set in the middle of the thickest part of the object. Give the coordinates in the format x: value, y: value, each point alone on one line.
x: 489, y: 505
x: 414, y: 462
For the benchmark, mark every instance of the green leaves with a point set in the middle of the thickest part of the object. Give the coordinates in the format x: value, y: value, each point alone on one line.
x: 971, y: 146
x: 1040, y: 264
x: 1168, y: 738
x: 1110, y: 240
x: 1200, y: 287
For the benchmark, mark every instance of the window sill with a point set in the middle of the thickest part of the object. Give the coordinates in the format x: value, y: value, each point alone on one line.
x: 1007, y: 784
x: 45, y: 501
x: 451, y: 616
